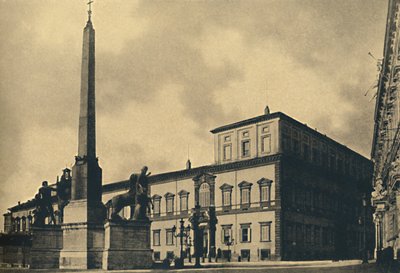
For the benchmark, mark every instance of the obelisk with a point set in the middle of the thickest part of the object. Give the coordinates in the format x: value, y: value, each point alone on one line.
x: 83, y: 230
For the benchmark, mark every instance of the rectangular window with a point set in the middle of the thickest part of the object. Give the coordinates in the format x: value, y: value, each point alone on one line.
x: 156, y: 210
x: 245, y: 253
x: 306, y: 151
x: 266, y: 144
x: 170, y: 237
x: 246, y: 148
x: 324, y: 156
x: 308, y: 234
x: 245, y: 196
x: 296, y: 142
x: 340, y: 164
x: 265, y: 230
x: 170, y: 255
x: 227, y: 152
x: 286, y: 143
x: 157, y: 256
x: 245, y: 235
x: 296, y: 146
x: 317, y: 236
x: 315, y: 155
x: 170, y: 205
x: 184, y: 203
x: 265, y: 254
x: 226, y: 235
x: 265, y: 129
x: 226, y: 198
x: 265, y: 193
x: 156, y: 237
x: 332, y: 161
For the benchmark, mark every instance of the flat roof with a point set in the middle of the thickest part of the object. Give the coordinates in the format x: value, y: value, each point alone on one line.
x: 285, y: 117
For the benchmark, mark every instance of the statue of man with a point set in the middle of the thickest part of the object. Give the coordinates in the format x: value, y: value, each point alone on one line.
x: 39, y: 213
x: 63, y: 196
x: 118, y: 202
x: 45, y: 199
x: 143, y: 182
x: 142, y: 195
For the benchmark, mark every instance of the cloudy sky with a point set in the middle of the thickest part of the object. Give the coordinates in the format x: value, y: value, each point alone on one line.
x: 169, y: 71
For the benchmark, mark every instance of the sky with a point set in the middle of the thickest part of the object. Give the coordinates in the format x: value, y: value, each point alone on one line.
x: 167, y: 72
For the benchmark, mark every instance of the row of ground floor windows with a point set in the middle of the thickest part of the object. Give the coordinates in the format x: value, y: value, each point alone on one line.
x: 313, y: 235
x: 245, y: 234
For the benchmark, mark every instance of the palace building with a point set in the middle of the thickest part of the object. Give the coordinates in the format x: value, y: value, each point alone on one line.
x: 386, y: 140
x: 277, y: 190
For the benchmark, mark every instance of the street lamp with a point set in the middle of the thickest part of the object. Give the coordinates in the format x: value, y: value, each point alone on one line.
x: 189, y: 246
x: 195, y: 221
x: 228, y: 242
x: 183, y: 233
x: 365, y: 253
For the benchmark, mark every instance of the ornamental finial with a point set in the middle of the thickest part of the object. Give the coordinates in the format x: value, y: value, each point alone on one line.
x: 90, y: 9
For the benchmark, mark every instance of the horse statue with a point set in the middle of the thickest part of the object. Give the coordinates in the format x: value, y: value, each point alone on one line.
x: 137, y: 198
x: 118, y: 202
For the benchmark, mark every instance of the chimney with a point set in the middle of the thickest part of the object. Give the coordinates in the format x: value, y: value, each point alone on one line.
x: 266, y: 110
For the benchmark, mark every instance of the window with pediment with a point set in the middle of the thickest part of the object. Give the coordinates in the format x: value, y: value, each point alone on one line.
x: 226, y: 190
x: 157, y: 205
x: 169, y: 236
x: 169, y: 199
x: 183, y: 195
x: 204, y: 195
x: 265, y: 191
x: 204, y: 189
x: 265, y: 231
x: 245, y: 194
x: 156, y: 237
x: 245, y: 233
x: 226, y: 234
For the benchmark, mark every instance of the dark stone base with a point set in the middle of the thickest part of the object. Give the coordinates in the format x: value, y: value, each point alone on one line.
x: 47, y: 242
x: 127, y: 245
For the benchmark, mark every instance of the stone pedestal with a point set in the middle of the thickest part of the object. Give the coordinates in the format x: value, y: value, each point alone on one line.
x: 83, y: 240
x: 47, y: 242
x: 127, y: 245
x: 83, y: 246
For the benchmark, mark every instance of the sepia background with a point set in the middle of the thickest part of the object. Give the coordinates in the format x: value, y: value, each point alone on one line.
x: 169, y: 71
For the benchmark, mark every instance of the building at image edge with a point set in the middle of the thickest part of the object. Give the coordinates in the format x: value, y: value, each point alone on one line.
x: 280, y: 190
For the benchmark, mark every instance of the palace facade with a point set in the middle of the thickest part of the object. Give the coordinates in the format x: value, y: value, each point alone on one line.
x: 386, y: 140
x: 277, y: 190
